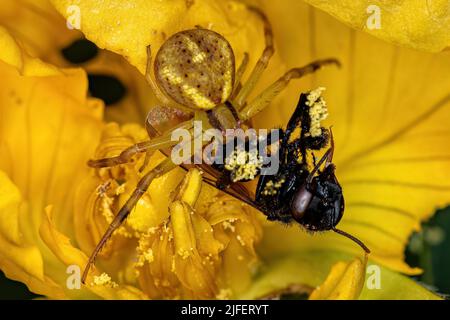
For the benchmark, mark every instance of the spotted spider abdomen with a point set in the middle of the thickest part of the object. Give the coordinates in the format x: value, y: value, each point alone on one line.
x: 196, y: 68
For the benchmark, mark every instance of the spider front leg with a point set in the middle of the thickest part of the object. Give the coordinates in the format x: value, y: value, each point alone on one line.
x: 239, y: 73
x: 262, y: 63
x: 163, y: 168
x: 266, y: 97
x: 125, y: 156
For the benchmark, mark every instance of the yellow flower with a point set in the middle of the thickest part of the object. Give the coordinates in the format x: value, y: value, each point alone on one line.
x: 416, y: 24
x: 345, y: 281
x: 169, y: 246
x: 42, y: 31
x: 195, y: 242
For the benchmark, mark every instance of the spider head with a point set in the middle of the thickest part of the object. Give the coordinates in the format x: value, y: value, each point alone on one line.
x: 196, y: 68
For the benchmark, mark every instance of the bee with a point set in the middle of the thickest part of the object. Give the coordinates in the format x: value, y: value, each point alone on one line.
x: 193, y: 75
x: 299, y: 191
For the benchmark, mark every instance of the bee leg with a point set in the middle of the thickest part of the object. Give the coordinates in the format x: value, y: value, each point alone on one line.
x: 330, y: 156
x: 325, y: 158
x: 164, y: 167
x: 314, y: 159
x: 243, y: 93
x: 266, y: 97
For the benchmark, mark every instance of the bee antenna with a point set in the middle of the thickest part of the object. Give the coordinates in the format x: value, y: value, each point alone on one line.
x: 353, y: 238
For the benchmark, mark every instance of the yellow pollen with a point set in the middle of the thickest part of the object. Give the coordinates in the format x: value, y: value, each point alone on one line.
x: 228, y: 226
x: 152, y: 230
x: 144, y: 257
x: 244, y: 165
x: 317, y: 111
x: 104, y: 280
x: 144, y: 250
x: 184, y: 254
x: 241, y: 241
x: 120, y: 189
x: 103, y: 188
x: 271, y: 188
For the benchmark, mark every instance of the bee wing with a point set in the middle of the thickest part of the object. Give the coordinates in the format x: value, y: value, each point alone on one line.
x: 234, y: 189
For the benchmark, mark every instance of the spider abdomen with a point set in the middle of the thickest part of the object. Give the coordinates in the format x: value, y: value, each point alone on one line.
x: 196, y: 68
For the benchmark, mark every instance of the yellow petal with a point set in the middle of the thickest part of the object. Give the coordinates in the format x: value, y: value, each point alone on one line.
x: 58, y: 243
x: 25, y: 64
x: 130, y: 29
x: 10, y: 199
x: 11, y: 52
x: 190, y: 187
x: 204, y: 233
x: 38, y: 27
x: 61, y: 247
x: 389, y: 108
x: 124, y: 36
x: 189, y: 257
x: 191, y: 269
x: 43, y: 33
x: 20, y: 260
x: 416, y: 24
x: 345, y: 281
x: 183, y: 232
x: 309, y: 269
x: 47, y: 130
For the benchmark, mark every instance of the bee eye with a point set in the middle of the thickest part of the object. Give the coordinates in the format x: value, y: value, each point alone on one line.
x: 300, y: 203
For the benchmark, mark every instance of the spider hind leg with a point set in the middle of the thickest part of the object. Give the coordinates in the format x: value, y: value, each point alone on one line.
x: 164, y: 167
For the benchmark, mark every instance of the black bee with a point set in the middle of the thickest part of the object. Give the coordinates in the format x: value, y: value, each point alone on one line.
x: 300, y: 191
x: 295, y: 193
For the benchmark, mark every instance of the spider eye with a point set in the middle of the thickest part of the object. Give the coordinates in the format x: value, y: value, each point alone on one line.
x: 300, y: 203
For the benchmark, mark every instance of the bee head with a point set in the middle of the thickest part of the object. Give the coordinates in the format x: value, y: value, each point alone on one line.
x: 318, y: 205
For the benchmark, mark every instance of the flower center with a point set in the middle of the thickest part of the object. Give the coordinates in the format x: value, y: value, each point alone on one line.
x: 182, y: 240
